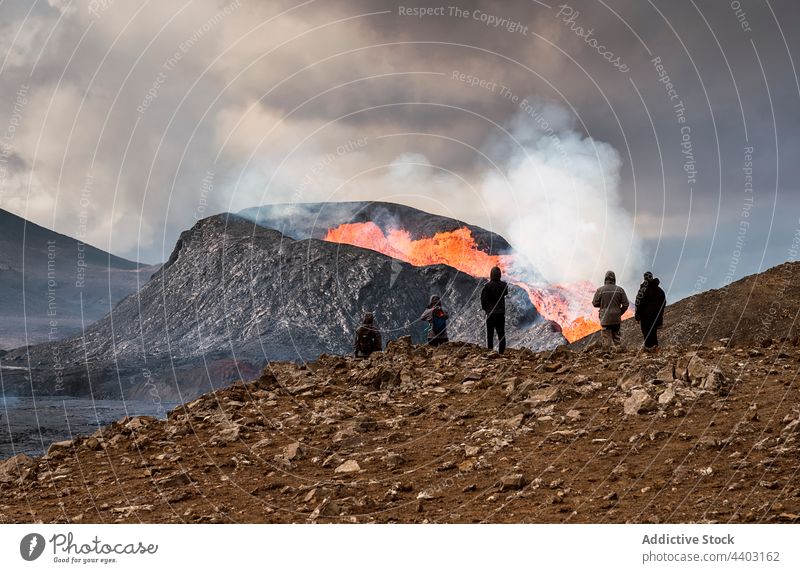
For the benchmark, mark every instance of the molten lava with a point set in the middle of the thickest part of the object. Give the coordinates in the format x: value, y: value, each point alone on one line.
x: 569, y: 305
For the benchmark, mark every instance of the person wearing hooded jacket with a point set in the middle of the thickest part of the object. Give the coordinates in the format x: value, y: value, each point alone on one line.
x: 612, y: 302
x: 437, y: 317
x: 493, y: 303
x: 368, y: 337
x: 650, y: 304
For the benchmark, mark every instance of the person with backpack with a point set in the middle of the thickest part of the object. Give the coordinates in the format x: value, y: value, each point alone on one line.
x: 437, y: 317
x: 368, y: 337
x: 612, y: 302
x: 650, y: 304
x: 493, y: 303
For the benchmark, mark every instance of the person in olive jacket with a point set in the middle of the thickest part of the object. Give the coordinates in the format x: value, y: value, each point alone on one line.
x: 493, y: 303
x: 612, y: 302
x: 650, y: 304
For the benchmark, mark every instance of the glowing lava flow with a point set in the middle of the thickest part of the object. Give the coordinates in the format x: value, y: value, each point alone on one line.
x: 569, y: 305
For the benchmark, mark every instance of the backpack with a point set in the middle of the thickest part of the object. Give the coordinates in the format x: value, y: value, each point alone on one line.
x: 365, y: 340
x: 438, y: 321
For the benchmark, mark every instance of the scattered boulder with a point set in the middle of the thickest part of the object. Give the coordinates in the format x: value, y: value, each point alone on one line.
x: 59, y: 448
x: 550, y: 394
x: 639, y: 402
x: 175, y: 480
x: 512, y: 481
x: 348, y: 467
x: 631, y: 381
x: 293, y: 451
x: 667, y: 397
x: 13, y: 467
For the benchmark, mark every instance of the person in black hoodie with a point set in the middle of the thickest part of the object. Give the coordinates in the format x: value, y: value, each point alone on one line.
x: 650, y: 304
x: 493, y: 303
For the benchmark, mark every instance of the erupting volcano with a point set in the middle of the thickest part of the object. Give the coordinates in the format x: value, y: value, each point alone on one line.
x: 569, y: 305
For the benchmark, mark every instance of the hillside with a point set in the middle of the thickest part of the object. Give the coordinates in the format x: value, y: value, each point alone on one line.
x: 51, y: 284
x: 453, y: 434
x: 752, y: 311
x: 234, y: 295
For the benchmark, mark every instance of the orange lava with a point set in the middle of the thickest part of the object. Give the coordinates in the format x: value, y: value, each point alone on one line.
x: 569, y: 305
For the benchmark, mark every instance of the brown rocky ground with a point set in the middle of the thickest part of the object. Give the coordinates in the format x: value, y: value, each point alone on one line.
x: 753, y: 309
x: 455, y: 434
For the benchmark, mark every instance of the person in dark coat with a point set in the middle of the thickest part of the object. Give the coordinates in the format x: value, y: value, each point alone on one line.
x: 368, y: 337
x: 493, y: 303
x: 437, y: 317
x: 650, y: 304
x: 612, y: 302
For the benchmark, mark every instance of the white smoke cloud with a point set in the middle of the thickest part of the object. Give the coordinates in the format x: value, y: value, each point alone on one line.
x: 558, y: 201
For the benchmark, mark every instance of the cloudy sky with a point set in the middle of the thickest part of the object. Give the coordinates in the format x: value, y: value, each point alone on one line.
x: 623, y: 134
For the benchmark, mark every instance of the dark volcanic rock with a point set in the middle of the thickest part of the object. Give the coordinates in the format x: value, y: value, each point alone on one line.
x: 234, y: 294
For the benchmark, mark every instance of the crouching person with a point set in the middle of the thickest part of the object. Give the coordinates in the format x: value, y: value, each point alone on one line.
x: 368, y: 337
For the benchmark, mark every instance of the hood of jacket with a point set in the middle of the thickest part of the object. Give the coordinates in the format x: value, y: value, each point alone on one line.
x: 611, y: 278
x: 495, y: 274
x: 369, y: 318
x: 435, y: 301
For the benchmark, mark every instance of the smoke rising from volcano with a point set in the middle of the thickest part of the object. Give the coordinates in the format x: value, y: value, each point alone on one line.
x: 558, y: 201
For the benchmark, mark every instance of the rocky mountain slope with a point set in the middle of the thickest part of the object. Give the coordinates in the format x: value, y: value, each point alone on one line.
x: 233, y: 295
x: 50, y: 283
x: 758, y: 308
x: 312, y: 220
x: 453, y: 434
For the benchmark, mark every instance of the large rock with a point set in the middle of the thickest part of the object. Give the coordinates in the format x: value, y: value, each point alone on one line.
x: 13, y: 467
x: 551, y: 394
x: 704, y: 375
x: 667, y: 397
x: 631, y: 381
x: 59, y: 448
x: 348, y: 467
x: 639, y: 402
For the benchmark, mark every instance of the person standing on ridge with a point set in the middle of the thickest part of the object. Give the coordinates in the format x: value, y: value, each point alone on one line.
x: 493, y: 303
x: 612, y: 302
x: 437, y: 317
x: 650, y: 304
x: 368, y: 337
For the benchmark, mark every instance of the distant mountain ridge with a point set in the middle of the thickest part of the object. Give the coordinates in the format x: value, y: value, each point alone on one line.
x: 52, y: 284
